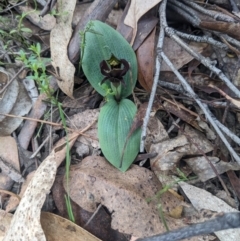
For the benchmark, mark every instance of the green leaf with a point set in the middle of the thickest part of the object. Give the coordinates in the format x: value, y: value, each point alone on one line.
x: 26, y: 30
x: 13, y: 31
x: 114, y: 124
x: 100, y: 41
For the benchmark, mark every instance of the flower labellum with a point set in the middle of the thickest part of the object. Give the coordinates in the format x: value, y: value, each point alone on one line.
x: 113, y: 71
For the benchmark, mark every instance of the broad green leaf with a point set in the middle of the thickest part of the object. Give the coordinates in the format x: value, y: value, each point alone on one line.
x: 114, y: 123
x: 98, y: 43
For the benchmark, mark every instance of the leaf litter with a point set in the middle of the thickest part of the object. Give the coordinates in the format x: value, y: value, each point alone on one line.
x: 178, y: 131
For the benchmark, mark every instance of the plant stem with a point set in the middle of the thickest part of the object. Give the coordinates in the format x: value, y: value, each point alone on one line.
x: 117, y: 88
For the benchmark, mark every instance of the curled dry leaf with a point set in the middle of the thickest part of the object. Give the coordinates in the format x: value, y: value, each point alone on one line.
x: 26, y: 220
x: 171, y: 151
x: 60, y: 36
x: 59, y: 157
x: 21, y: 107
x: 146, y: 59
x: 9, y: 96
x: 95, y: 181
x: 145, y: 26
x: 9, y: 154
x: 54, y: 227
x: 61, y: 229
x: 136, y: 10
x: 4, y: 78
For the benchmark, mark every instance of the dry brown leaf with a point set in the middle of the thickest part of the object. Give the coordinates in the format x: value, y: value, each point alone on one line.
x: 57, y: 228
x: 35, y: 194
x: 155, y: 132
x: 233, y: 101
x: 5, y: 220
x: 95, y: 181
x: 9, y: 96
x: 80, y: 121
x: 182, y: 112
x: 59, y: 157
x: 204, y: 171
x: 171, y: 151
x: 100, y: 225
x: 230, y: 28
x: 9, y: 153
x: 177, y: 54
x: 26, y: 220
x: 146, y: 59
x: 145, y: 26
x: 199, y: 144
x: 4, y: 78
x: 60, y: 37
x: 21, y: 107
x: 136, y: 10
x: 202, y: 199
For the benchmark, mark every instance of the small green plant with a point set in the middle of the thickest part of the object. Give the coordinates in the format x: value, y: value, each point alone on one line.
x: 37, y: 66
x: 21, y: 29
x: 158, y: 196
x: 110, y: 65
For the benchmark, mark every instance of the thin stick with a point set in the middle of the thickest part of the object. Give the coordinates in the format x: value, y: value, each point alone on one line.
x: 224, y: 221
x: 204, y: 107
x: 48, y: 123
x: 11, y: 80
x: 93, y: 215
x: 162, y: 9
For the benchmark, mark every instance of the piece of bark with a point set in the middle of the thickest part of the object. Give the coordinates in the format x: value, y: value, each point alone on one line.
x: 37, y: 112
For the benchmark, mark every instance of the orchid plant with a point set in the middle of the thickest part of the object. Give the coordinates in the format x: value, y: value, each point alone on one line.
x: 110, y: 65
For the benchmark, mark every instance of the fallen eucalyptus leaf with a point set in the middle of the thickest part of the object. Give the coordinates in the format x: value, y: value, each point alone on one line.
x: 26, y: 220
x: 94, y: 181
x: 136, y: 10
x: 60, y: 37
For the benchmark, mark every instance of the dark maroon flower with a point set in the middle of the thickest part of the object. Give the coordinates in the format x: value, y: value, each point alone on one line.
x: 114, y: 69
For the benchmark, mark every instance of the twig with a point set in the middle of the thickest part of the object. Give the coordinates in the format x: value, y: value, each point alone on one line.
x: 188, y: 15
x: 228, y: 38
x: 227, y: 132
x: 201, y: 39
x: 215, y: 15
x: 204, y: 107
x: 9, y: 8
x: 234, y: 6
x: 40, y: 147
x: 162, y: 10
x: 93, y: 215
x: 224, y: 221
x: 203, y: 60
x: 11, y: 80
